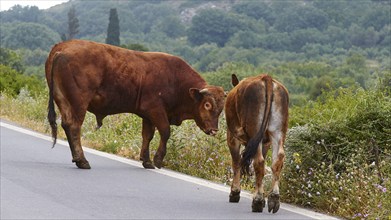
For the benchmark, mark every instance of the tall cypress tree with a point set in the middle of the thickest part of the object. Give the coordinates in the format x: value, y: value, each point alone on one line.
x: 113, y: 28
x: 73, y: 23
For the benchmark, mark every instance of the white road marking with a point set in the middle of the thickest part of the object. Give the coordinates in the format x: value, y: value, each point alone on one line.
x: 170, y: 173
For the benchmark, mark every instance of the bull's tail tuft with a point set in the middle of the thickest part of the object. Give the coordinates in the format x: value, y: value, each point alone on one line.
x: 52, y: 118
x: 252, y: 146
x: 51, y: 109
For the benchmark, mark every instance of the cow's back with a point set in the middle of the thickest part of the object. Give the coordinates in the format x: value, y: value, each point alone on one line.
x: 245, y: 106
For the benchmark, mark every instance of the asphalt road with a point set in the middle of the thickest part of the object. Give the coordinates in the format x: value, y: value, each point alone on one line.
x: 38, y: 182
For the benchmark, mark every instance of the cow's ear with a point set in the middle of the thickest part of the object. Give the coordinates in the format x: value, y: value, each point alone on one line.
x: 195, y: 94
x: 234, y: 80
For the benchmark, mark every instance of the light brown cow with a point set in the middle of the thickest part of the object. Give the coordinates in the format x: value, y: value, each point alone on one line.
x: 257, y: 116
x: 160, y: 88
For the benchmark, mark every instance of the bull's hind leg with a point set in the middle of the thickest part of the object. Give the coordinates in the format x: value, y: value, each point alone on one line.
x: 234, y: 147
x: 71, y: 121
x: 277, y: 140
x: 147, y: 133
x: 72, y: 118
x: 259, y: 168
x: 72, y: 131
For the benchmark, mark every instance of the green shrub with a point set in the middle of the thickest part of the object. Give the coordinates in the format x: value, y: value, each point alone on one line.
x: 339, y: 154
x: 12, y: 82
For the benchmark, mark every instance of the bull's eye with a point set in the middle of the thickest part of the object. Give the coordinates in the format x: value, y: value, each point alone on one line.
x: 207, y: 106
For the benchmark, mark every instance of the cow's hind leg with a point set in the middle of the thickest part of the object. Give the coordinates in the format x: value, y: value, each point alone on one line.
x: 259, y: 196
x: 234, y: 148
x: 277, y: 139
x: 147, y: 133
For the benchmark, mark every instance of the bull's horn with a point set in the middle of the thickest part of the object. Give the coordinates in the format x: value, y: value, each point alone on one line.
x: 204, y: 91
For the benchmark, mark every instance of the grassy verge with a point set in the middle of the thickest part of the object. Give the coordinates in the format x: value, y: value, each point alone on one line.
x: 338, y: 149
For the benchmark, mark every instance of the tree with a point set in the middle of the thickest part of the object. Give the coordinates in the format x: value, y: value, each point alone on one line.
x: 22, y: 14
x: 171, y: 26
x: 255, y: 9
x: 113, y: 28
x: 138, y: 47
x: 11, y: 59
x: 301, y: 17
x: 245, y: 39
x: 30, y: 36
x: 213, y: 26
x: 73, y: 23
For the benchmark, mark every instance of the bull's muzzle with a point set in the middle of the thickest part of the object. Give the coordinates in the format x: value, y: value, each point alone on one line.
x: 211, y: 132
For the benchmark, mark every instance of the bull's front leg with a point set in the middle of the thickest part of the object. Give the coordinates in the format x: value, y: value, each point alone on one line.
x: 160, y: 120
x: 277, y: 164
x: 234, y: 147
x: 148, y: 131
x: 161, y: 151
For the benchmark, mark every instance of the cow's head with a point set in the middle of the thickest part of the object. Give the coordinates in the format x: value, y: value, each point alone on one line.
x: 209, y: 104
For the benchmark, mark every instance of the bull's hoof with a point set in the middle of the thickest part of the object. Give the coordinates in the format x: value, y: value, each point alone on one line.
x: 148, y: 165
x: 158, y: 162
x: 258, y: 205
x: 83, y: 164
x: 234, y: 196
x: 273, y: 202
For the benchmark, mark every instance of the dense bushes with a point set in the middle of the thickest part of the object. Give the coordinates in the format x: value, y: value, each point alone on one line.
x: 12, y: 82
x: 12, y: 77
x: 339, y: 154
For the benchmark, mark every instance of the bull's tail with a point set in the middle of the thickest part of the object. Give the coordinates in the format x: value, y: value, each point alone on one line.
x: 252, y: 145
x: 51, y: 109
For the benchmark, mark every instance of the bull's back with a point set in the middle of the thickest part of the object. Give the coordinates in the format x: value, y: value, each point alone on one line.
x: 119, y: 79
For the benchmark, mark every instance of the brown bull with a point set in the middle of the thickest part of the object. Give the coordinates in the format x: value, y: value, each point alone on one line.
x: 160, y: 88
x: 257, y: 116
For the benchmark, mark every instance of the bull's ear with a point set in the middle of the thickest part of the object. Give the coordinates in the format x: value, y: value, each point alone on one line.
x: 234, y: 80
x: 195, y: 94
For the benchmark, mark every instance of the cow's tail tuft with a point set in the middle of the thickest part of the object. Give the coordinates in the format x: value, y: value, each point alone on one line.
x: 51, y: 109
x: 252, y: 146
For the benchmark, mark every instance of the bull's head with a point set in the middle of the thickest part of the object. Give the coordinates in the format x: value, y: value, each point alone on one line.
x: 209, y: 104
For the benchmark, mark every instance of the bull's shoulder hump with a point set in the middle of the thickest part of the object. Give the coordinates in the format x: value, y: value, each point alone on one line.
x: 157, y: 54
x: 161, y: 55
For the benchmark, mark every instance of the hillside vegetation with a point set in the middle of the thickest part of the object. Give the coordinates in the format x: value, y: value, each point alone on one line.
x: 333, y: 56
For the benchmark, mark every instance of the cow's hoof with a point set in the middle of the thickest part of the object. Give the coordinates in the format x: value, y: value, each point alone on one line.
x: 258, y: 205
x: 234, y: 196
x: 273, y: 202
x: 83, y: 164
x: 158, y: 162
x: 148, y: 165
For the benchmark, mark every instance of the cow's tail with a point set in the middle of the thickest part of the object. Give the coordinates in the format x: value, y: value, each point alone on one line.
x: 252, y: 145
x: 51, y: 109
